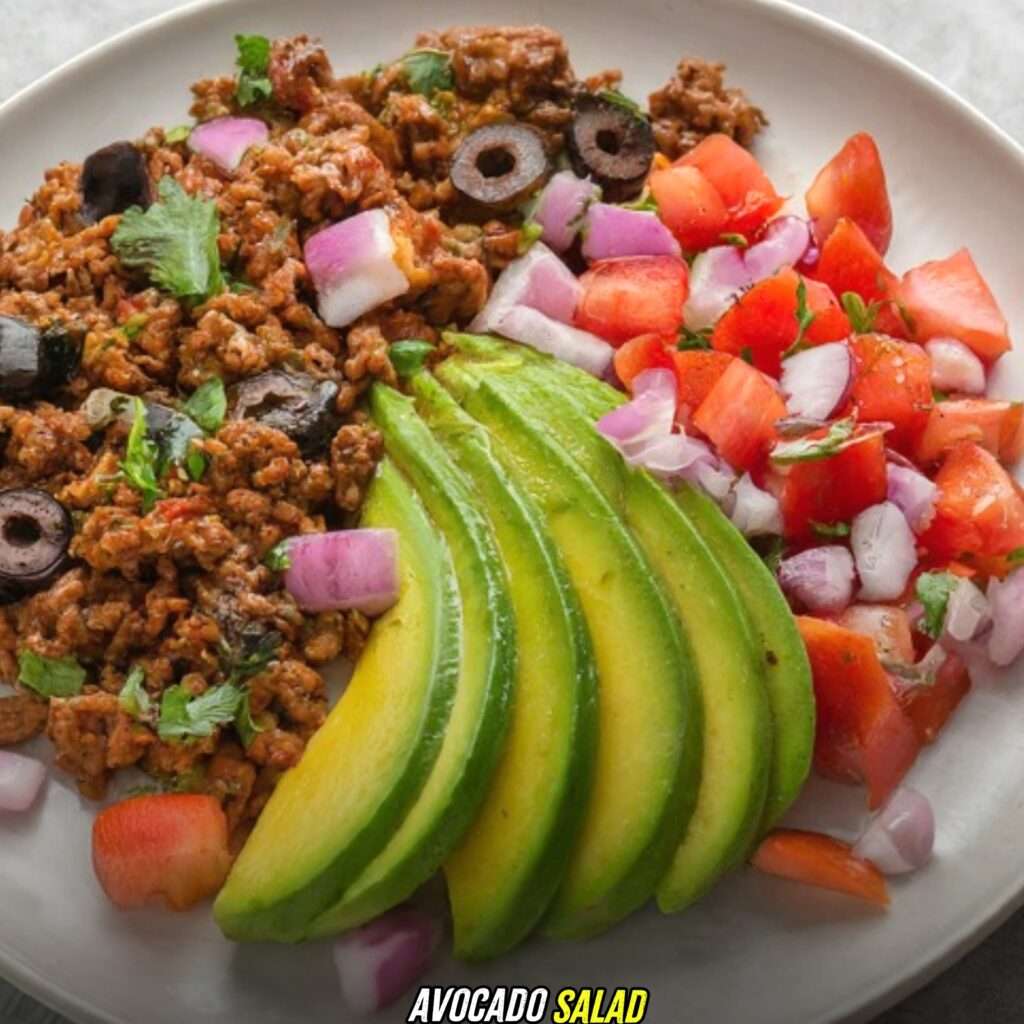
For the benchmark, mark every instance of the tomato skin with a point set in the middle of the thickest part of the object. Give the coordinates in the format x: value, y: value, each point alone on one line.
x: 739, y: 415
x: 183, y: 508
x: 171, y: 848
x: 993, y: 424
x: 748, y: 194
x: 930, y: 706
x: 835, y: 489
x: 862, y: 733
x: 633, y: 295
x: 852, y: 184
x: 697, y: 372
x: 830, y: 323
x: 690, y: 207
x: 645, y: 352
x: 893, y: 383
x: 819, y: 860
x: 949, y: 298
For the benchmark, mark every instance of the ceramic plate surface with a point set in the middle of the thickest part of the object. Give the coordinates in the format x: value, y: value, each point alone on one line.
x: 757, y: 951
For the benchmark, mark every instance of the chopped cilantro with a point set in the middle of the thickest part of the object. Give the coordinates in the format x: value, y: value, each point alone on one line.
x: 808, y: 449
x: 253, y: 60
x: 195, y: 463
x: 174, y: 241
x: 208, y: 405
x: 933, y: 591
x: 939, y: 395
x: 735, y: 238
x: 529, y: 233
x: 277, y: 558
x: 257, y: 651
x: 428, y: 71
x: 693, y: 339
x: 861, y: 316
x: 804, y: 319
x: 177, y: 134
x: 174, y: 444
x: 645, y: 203
x: 619, y: 99
x: 409, y: 356
x: 141, y: 456
x: 183, y: 716
x: 747, y: 354
x: 771, y: 550
x: 133, y: 698
x: 50, y: 677
x: 132, y: 327
x: 829, y: 530
x: 246, y: 727
x: 1016, y: 555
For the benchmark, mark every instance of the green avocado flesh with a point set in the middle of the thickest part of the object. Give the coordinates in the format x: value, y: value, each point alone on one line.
x: 473, y: 738
x: 333, y: 813
x: 648, y: 754
x: 505, y: 873
x: 737, y: 718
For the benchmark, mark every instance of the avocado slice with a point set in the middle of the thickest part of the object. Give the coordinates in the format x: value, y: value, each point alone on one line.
x: 505, y: 872
x: 648, y: 757
x: 334, y: 812
x: 475, y: 730
x: 737, y: 717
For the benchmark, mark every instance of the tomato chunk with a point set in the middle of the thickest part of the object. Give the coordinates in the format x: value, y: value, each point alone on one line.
x: 893, y: 383
x: 950, y: 298
x: 739, y: 415
x: 171, y: 848
x: 748, y: 194
x: 646, y: 352
x: 862, y: 733
x: 690, y: 206
x: 995, y: 425
x: 697, y: 373
x: 819, y: 860
x: 930, y: 705
x: 623, y: 298
x: 887, y: 625
x: 852, y: 184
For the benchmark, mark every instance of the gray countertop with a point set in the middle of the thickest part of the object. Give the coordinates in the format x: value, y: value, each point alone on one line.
x: 967, y: 47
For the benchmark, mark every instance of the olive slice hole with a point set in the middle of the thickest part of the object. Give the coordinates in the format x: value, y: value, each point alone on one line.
x: 608, y: 140
x: 21, y: 531
x: 495, y: 162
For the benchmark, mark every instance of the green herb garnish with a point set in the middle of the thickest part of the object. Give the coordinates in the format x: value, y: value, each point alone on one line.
x: 208, y: 405
x: 1016, y: 555
x: 860, y: 315
x: 246, y: 727
x: 133, y: 698
x: 253, y: 61
x: 141, y: 458
x: 428, y: 71
x: 132, y: 327
x: 735, y: 238
x: 689, y: 340
x: 771, y: 549
x: 809, y: 449
x: 619, y: 99
x: 529, y: 233
x: 50, y: 677
x: 933, y: 591
x: 747, y: 355
x: 645, y: 203
x: 256, y: 653
x: 407, y: 357
x: 804, y: 319
x: 829, y: 530
x: 939, y: 396
x: 177, y: 134
x: 277, y: 558
x: 183, y: 716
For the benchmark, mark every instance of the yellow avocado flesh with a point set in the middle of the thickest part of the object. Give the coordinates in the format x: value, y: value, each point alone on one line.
x: 504, y: 874
x: 647, y: 760
x: 332, y: 813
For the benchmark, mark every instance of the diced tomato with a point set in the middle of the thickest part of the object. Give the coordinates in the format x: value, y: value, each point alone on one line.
x: 647, y: 352
x: 887, y: 625
x: 739, y: 415
x: 171, y: 848
x: 749, y: 196
x: 764, y: 322
x: 862, y: 734
x: 690, y: 206
x: 835, y: 489
x: 697, y: 373
x: 623, y: 298
x: 182, y: 508
x: 820, y: 860
x: 979, y: 511
x: 950, y: 298
x: 893, y: 383
x: 852, y: 184
x: 996, y: 425
x: 930, y: 705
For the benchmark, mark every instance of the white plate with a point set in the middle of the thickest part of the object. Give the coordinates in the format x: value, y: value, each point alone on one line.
x: 758, y: 951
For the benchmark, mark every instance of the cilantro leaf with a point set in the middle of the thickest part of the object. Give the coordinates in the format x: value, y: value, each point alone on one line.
x: 939, y: 396
x: 933, y: 591
x: 428, y: 71
x: 529, y: 233
x: 132, y: 327
x: 771, y: 551
x: 1016, y: 555
x: 253, y: 60
x: 747, y: 354
x: 861, y: 316
x: 257, y: 651
x: 408, y: 356
x: 50, y: 677
x: 246, y: 727
x: 645, y: 203
x: 808, y: 449
x: 179, y: 133
x: 693, y: 339
x: 141, y: 457
x: 619, y: 99
x: 277, y: 558
x: 174, y: 241
x: 830, y: 530
x: 133, y: 698
x: 735, y: 238
x: 208, y: 405
x: 183, y: 716
x: 804, y: 319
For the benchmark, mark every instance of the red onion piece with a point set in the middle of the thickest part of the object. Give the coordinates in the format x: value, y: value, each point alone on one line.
x: 755, y: 513
x: 540, y: 280
x: 21, y: 778
x: 613, y: 231
x: 225, y: 140
x: 913, y: 493
x: 884, y: 551
x: 647, y: 417
x: 670, y: 455
x: 955, y: 367
x: 819, y: 578
x: 1006, y: 600
x: 967, y: 612
x: 570, y: 344
x: 717, y: 278
x: 900, y: 838
x: 561, y: 206
x: 379, y: 962
x: 887, y: 625
x: 817, y: 381
x: 352, y: 264
x: 344, y: 569
x: 783, y: 244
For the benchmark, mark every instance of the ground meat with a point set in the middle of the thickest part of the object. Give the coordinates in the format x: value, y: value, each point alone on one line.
x: 355, y: 451
x: 298, y: 70
x: 696, y: 103
x: 21, y: 717
x: 230, y: 777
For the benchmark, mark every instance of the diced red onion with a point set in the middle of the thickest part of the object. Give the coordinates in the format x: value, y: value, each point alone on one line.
x: 967, y: 612
x: 887, y: 625
x: 955, y: 367
x: 538, y: 279
x: 613, y: 231
x: 783, y: 244
x: 819, y: 578
x: 225, y: 140
x: 913, y: 493
x: 647, y: 417
x: 755, y: 513
x: 900, y: 838
x: 817, y: 381
x: 344, y: 569
x: 21, y: 778
x: 563, y: 341
x: 717, y: 278
x: 670, y: 455
x: 715, y: 478
x: 352, y: 264
x: 379, y: 962
x: 561, y: 206
x: 1006, y: 600
x: 884, y: 551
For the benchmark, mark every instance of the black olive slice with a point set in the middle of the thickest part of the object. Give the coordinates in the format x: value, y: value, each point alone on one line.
x: 35, y: 533
x: 114, y: 178
x: 33, y: 362
x: 612, y: 145
x: 499, y: 165
x: 294, y: 403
